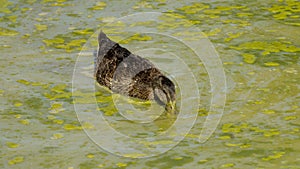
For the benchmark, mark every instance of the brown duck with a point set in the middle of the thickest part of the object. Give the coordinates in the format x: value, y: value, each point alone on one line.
x: 129, y: 74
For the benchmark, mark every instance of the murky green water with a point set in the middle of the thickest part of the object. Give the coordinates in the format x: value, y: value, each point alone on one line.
x: 258, y: 43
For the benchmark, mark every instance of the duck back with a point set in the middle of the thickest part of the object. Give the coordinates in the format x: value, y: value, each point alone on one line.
x: 123, y: 72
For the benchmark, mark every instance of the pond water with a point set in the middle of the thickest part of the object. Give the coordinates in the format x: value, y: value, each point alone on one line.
x: 47, y: 86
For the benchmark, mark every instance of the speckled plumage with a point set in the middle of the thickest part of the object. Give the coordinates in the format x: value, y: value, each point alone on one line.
x: 129, y: 74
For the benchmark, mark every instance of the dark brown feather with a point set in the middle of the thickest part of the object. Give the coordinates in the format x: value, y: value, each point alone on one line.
x: 129, y: 74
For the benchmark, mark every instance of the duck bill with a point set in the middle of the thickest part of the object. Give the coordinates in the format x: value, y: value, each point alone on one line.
x: 170, y: 107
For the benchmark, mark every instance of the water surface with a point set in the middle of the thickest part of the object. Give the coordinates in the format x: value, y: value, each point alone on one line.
x: 258, y: 43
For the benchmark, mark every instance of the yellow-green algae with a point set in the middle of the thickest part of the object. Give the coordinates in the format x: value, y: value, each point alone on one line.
x: 227, y: 165
x: 16, y: 160
x: 11, y: 18
x: 70, y: 127
x: 249, y: 58
x: 159, y: 142
x: 137, y: 37
x: 213, y: 32
x: 173, y: 20
x: 90, y: 155
x: 41, y: 27
x: 87, y: 31
x: 12, y: 145
x: 4, y: 8
x: 267, y: 47
x: 56, y: 107
x: 98, y: 6
x: 271, y: 64
x: 234, y: 128
x: 18, y: 104
x: 288, y: 9
x: 69, y: 45
x: 56, y: 136
x: 7, y: 32
x: 121, y: 165
x: 267, y: 111
x: 232, y: 36
x: 25, y: 82
x: 24, y: 121
x: 134, y: 155
x: 288, y: 118
x: 55, y: 41
x: 194, y: 8
x: 144, y: 24
x: 275, y: 155
x: 60, y: 3
x: 143, y: 4
x: 54, y: 119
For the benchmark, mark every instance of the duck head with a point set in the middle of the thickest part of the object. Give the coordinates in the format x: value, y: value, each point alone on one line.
x: 164, y: 92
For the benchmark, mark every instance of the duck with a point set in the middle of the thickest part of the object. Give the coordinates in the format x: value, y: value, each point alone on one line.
x: 125, y: 73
